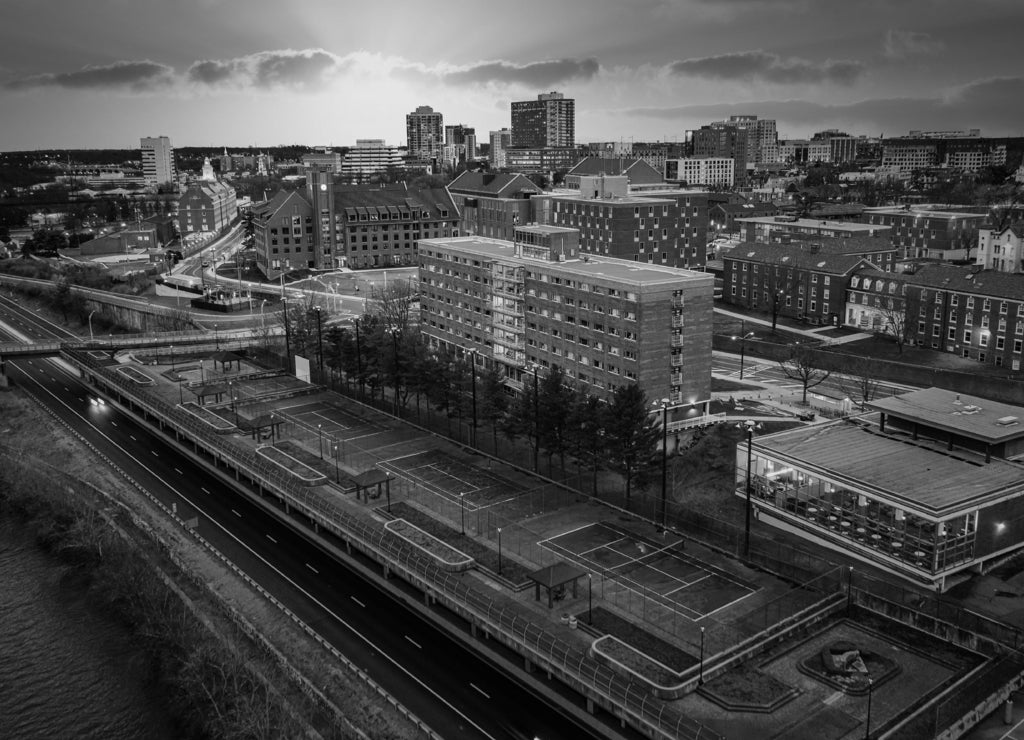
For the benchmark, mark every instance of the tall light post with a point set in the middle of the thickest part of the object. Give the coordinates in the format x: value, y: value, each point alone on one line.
x: 867, y: 723
x: 499, y: 551
x: 743, y: 348
x: 590, y: 598
x: 202, y: 372
x: 536, y: 418
x: 90, y: 323
x: 398, y: 379
x: 320, y: 340
x: 181, y: 397
x: 273, y: 432
x: 262, y: 323
x: 462, y: 512
x: 387, y: 489
x: 172, y: 358
x: 216, y: 338
x: 749, y: 426
x: 287, y: 336
x: 663, y: 404
x: 320, y: 432
x: 337, y: 470
x: 700, y: 679
x: 472, y: 371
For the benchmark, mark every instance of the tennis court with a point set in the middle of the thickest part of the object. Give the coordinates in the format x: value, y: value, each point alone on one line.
x: 660, y: 570
x: 334, y: 421
x: 443, y: 475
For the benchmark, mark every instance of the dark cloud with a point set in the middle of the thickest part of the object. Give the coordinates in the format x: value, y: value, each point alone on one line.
x: 534, y: 74
x: 999, y: 102
x: 900, y: 44
x: 138, y: 76
x: 302, y: 69
x: 757, y: 65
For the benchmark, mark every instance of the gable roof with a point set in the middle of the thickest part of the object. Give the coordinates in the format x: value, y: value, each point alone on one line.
x: 493, y: 184
x: 393, y: 200
x: 968, y: 279
x: 637, y: 170
x: 275, y: 204
x: 786, y: 255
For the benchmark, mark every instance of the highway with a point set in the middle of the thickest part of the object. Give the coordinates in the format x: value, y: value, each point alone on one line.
x: 458, y: 694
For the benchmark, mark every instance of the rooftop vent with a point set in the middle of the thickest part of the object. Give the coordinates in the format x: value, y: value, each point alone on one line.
x: 1007, y: 421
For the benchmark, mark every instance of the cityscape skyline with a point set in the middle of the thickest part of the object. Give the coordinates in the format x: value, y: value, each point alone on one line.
x: 206, y: 72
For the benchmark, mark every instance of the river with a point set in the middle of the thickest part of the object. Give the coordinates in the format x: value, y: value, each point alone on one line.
x: 66, y: 669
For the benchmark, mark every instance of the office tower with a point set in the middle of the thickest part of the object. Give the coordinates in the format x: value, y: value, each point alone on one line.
x: 424, y: 130
x: 548, y: 121
x: 501, y: 140
x: 157, y: 160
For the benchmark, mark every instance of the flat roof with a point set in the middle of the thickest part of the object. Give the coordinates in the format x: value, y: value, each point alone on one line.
x: 587, y: 265
x: 915, y: 474
x: 812, y: 223
x: 969, y: 416
x: 545, y: 228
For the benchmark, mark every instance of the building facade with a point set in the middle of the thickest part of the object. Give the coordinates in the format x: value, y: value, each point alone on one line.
x: 367, y: 158
x: 424, y: 130
x: 724, y: 140
x: 927, y: 233
x: 702, y: 171
x: 206, y: 205
x: 283, y: 232
x: 493, y: 204
x: 534, y: 303
x: 157, y: 160
x: 1002, y: 249
x: 636, y: 171
x: 767, y: 229
x: 501, y: 140
x: 548, y: 121
x: 532, y: 160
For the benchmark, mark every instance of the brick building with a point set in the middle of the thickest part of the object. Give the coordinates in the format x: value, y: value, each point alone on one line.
x: 492, y: 204
x: 536, y: 302
x: 922, y: 232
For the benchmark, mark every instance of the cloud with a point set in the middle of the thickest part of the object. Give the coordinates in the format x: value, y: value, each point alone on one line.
x: 763, y: 66
x: 534, y: 74
x: 998, y: 101
x: 137, y: 76
x: 901, y: 44
x: 301, y: 69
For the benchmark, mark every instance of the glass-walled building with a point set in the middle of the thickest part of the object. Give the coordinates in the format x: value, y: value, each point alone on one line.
x: 922, y: 506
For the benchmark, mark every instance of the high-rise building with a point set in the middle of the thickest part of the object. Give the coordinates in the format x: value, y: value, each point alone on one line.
x: 762, y: 136
x: 459, y: 144
x: 369, y: 157
x: 724, y: 140
x: 501, y: 140
x: 424, y: 129
x: 157, y: 160
x: 548, y: 121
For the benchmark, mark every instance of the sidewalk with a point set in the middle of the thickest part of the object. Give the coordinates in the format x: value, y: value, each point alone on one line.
x: 810, y: 333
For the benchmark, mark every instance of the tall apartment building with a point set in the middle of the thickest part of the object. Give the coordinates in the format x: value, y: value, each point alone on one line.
x: 492, y: 204
x: 424, y: 129
x: 724, y: 141
x: 663, y: 227
x: 1001, y: 249
x: 921, y: 232
x: 459, y: 143
x: 548, y: 121
x: 762, y: 136
x: 535, y: 302
x: 501, y: 140
x: 157, y: 160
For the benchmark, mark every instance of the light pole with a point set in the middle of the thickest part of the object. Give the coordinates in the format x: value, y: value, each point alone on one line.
x: 320, y: 432
x: 499, y: 551
x: 202, y: 373
x: 337, y: 470
x: 472, y: 375
x: 216, y: 338
x: 387, y: 490
x: 172, y: 358
x: 90, y: 323
x: 867, y: 724
x: 664, y: 404
x: 320, y: 340
x: 394, y: 339
x: 262, y: 324
x: 536, y: 419
x: 743, y: 347
x: 273, y: 432
x: 700, y: 679
x: 749, y: 425
x: 462, y: 511
x: 590, y: 598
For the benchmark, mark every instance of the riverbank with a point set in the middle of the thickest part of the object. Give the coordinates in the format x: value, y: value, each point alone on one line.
x: 191, y: 610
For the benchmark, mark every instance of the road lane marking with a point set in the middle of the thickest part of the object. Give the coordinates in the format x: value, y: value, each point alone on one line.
x: 482, y: 692
x: 203, y: 490
x: 358, y: 601
x: 413, y: 642
x: 133, y: 438
x: 271, y: 539
x: 233, y: 511
x: 114, y: 423
x: 312, y: 568
x: 155, y: 453
x: 178, y: 471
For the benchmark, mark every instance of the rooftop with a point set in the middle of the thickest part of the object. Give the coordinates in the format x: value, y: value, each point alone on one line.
x: 810, y: 223
x: 798, y: 255
x: 919, y: 476
x: 969, y: 416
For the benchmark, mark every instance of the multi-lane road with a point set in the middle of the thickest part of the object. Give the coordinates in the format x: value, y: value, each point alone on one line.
x: 458, y: 693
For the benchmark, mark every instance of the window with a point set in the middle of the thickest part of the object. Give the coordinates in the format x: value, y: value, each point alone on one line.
x: 1000, y: 342
x: 983, y: 339
x: 967, y: 336
x: 1017, y: 345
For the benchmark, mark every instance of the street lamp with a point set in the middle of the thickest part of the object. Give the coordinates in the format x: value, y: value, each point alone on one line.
x: 462, y: 510
x: 700, y: 679
x: 536, y: 418
x: 499, y: 551
x: 337, y: 471
x: 472, y: 371
x: 590, y: 598
x: 273, y: 432
x: 216, y: 338
x: 743, y: 347
x: 172, y: 358
x: 387, y: 490
x: 202, y: 372
x: 664, y: 405
x: 749, y: 426
x: 867, y: 724
x: 393, y: 331
x: 181, y: 398
x: 320, y: 432
x: 262, y: 324
x: 320, y: 340
x: 90, y: 323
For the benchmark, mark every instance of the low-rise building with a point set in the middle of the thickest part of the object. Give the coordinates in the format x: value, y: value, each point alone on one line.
x: 701, y: 171
x: 367, y: 158
x: 926, y: 487
x: 283, y: 234
x: 537, y: 302
x: 206, y: 205
x: 541, y: 160
x: 636, y: 171
x: 925, y: 232
x: 764, y: 229
x: 1001, y: 249
x: 723, y: 216
x: 492, y: 204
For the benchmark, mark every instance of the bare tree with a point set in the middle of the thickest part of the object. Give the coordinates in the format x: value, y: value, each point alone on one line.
x: 857, y: 377
x: 895, y: 323
x: 803, y: 367
x: 777, y: 286
x: 393, y: 302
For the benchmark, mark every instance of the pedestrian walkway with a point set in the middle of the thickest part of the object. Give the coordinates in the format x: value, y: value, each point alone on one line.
x: 813, y: 333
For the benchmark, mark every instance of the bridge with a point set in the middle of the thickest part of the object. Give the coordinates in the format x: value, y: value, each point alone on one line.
x: 113, y: 343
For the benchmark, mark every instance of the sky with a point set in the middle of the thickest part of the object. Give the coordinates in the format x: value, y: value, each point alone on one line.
x: 103, y: 73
